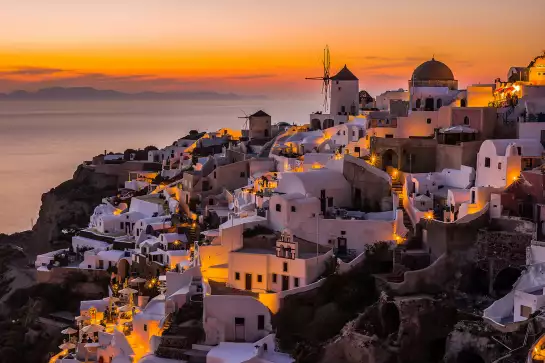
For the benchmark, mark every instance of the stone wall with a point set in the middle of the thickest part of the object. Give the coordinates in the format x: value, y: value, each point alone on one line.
x: 58, y: 275
x: 448, y: 237
x: 454, y: 156
x: 497, y: 250
x: 368, y: 187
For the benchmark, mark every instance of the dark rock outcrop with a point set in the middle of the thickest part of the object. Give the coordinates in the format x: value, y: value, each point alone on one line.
x: 69, y: 205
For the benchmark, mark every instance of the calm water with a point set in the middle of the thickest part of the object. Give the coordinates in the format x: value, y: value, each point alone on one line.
x: 41, y: 143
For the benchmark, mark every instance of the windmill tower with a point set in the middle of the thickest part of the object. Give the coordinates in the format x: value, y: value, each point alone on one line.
x: 325, y: 78
x: 245, y: 132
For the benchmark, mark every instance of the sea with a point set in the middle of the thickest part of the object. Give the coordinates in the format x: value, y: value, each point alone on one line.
x: 43, y: 142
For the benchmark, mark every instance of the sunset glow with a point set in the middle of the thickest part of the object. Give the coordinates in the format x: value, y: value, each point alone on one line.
x: 254, y: 47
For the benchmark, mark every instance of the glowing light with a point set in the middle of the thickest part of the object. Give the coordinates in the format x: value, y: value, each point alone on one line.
x: 517, y: 88
x: 428, y: 216
x: 395, y: 173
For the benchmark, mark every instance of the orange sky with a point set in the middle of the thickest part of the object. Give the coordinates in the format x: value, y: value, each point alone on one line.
x: 259, y: 47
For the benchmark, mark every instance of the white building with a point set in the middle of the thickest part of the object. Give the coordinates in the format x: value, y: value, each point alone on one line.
x: 329, y: 186
x: 292, y: 263
x: 499, y: 162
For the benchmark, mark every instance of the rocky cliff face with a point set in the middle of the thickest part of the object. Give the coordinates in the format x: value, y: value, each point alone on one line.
x: 69, y: 205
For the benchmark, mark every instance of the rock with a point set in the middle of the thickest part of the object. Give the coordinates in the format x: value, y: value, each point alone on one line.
x: 69, y: 205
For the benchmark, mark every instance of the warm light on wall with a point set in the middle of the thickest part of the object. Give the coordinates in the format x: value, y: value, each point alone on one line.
x: 429, y: 215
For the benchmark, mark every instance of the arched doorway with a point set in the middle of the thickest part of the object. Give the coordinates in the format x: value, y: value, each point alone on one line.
x: 123, y: 269
x: 328, y: 123
x: 463, y: 102
x: 439, y: 103
x: 389, y: 158
x: 429, y: 104
x: 504, y: 281
x: 315, y: 124
x: 469, y: 356
x: 390, y: 318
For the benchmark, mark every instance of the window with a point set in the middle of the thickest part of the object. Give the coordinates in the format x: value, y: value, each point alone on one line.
x: 343, y: 233
x: 330, y: 202
x: 242, y: 174
x: 525, y: 311
x: 487, y: 162
x: 418, y: 103
x: 339, y: 90
x: 466, y: 120
x: 366, y: 137
x: 428, y: 121
x: 274, y: 277
x: 344, y: 133
x: 296, y: 281
x: 259, y: 278
x: 463, y: 103
x: 293, y: 209
x: 343, y: 109
x: 353, y: 133
x: 357, y: 149
x: 472, y: 197
x: 389, y: 136
x: 439, y: 103
x: 499, y: 166
x: 145, y: 327
x: 237, y: 276
x: 214, y: 175
x: 285, y: 267
x: 278, y: 207
x: 121, y: 225
x: 519, y: 150
x: 210, y: 201
x: 261, y: 322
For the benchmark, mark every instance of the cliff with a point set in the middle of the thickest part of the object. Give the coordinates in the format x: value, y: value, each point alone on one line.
x: 68, y: 205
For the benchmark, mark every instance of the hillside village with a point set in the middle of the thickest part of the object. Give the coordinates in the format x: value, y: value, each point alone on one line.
x: 435, y: 193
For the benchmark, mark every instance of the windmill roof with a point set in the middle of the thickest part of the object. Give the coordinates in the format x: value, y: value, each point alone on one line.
x: 344, y: 75
x: 260, y: 113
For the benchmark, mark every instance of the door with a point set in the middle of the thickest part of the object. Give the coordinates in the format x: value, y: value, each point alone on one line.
x: 239, y: 330
x: 341, y: 246
x: 429, y: 104
x: 285, y: 283
x: 322, y: 200
x: 248, y: 281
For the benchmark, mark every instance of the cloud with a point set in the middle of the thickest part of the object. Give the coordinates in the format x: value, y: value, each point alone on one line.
x: 31, y: 71
x: 251, y: 76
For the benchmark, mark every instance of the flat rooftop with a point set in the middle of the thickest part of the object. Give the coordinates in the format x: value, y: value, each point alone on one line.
x: 220, y: 288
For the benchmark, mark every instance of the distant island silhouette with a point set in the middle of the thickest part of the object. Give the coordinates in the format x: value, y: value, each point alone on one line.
x: 90, y: 93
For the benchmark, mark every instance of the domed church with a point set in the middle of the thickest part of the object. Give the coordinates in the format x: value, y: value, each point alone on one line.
x: 433, y: 74
x: 432, y: 86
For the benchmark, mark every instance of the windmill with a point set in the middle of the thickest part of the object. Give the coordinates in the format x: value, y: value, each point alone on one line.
x: 245, y: 125
x: 325, y: 78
